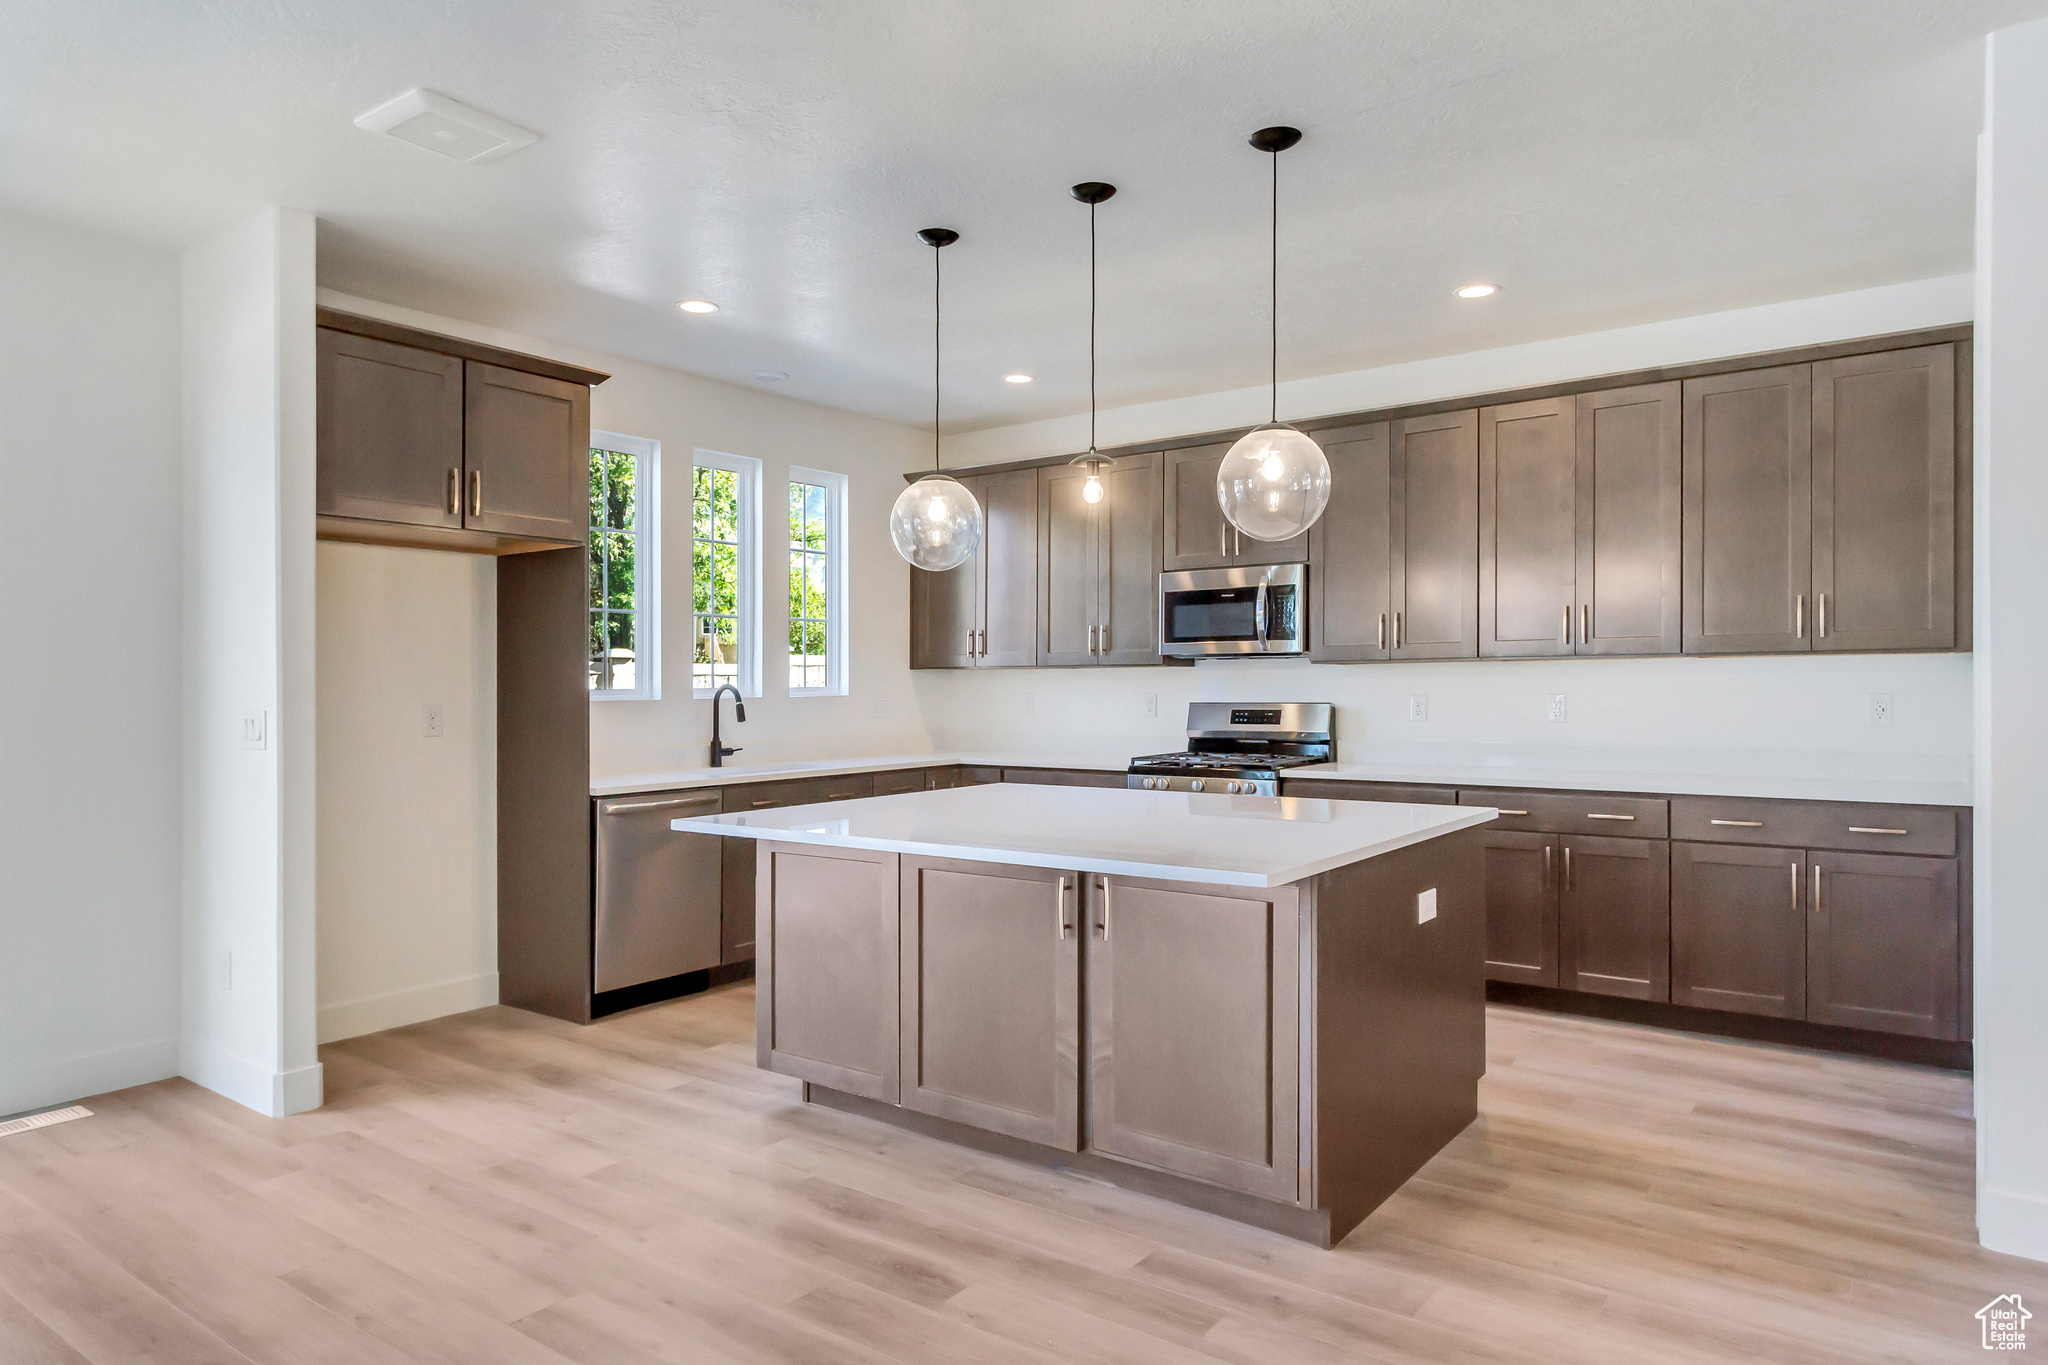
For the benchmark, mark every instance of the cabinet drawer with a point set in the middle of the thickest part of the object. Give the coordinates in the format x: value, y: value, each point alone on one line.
x: 806, y: 792
x: 1063, y: 777
x: 1368, y: 791
x: 1626, y: 817
x: 1815, y: 824
x: 902, y: 780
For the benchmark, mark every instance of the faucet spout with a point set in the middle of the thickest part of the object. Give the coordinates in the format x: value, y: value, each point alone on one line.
x: 739, y: 713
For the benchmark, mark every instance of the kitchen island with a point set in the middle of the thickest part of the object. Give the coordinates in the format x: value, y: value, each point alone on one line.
x: 1268, y: 1007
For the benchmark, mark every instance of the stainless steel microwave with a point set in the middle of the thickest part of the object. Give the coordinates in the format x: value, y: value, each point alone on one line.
x: 1260, y: 609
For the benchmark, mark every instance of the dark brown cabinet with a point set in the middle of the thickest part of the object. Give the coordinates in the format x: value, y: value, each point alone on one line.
x: 1528, y: 550
x: 1881, y: 950
x: 1194, y: 1035
x: 984, y: 613
x: 1738, y: 930
x: 1196, y: 536
x: 990, y: 972
x: 1749, y: 511
x: 738, y: 857
x: 1884, y: 501
x: 432, y: 441
x: 1629, y: 494
x: 1614, y: 916
x: 1434, y: 536
x: 1350, y: 550
x: 1098, y: 564
x: 1521, y: 907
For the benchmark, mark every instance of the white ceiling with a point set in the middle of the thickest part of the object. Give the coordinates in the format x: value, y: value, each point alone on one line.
x: 1606, y: 161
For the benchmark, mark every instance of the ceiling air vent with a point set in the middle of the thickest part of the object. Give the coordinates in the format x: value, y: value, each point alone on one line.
x: 447, y: 126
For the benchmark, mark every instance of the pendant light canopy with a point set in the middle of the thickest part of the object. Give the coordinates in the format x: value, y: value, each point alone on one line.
x: 1091, y: 193
x: 936, y: 522
x: 1275, y: 482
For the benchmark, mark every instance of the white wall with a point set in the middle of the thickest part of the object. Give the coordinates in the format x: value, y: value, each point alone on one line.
x: 89, y: 699
x: 2012, y: 643
x: 248, y: 923
x: 1725, y: 717
x: 408, y: 835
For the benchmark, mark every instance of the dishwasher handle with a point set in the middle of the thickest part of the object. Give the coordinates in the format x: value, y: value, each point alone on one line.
x: 610, y: 808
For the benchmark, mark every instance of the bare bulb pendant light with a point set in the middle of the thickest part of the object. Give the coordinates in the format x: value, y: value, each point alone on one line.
x: 1275, y: 482
x: 936, y: 522
x: 1091, y: 193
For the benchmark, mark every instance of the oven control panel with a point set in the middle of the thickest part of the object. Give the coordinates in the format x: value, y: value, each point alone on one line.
x: 1220, y: 786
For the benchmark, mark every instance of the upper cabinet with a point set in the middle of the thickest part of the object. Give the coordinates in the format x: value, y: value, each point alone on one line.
x: 433, y: 441
x: 1350, y: 609
x: 1528, y: 551
x: 1434, y: 529
x: 983, y: 614
x: 1628, y: 497
x: 1749, y: 511
x: 1197, y: 536
x: 1098, y: 564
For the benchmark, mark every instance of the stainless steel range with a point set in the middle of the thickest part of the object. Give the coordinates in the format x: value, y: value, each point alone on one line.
x: 1240, y: 749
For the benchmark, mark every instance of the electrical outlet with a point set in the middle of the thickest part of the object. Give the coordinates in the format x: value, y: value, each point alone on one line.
x: 433, y: 720
x: 1152, y: 703
x: 1880, y: 708
x: 1425, y: 906
x: 1556, y: 712
x: 1418, y: 706
x: 1030, y: 703
x: 255, y: 730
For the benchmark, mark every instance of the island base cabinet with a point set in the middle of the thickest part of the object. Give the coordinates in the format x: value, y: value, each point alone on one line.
x: 990, y: 996
x: 1738, y: 934
x: 1881, y: 944
x: 1521, y: 907
x: 825, y: 994
x: 1194, y: 1031
x: 1614, y: 917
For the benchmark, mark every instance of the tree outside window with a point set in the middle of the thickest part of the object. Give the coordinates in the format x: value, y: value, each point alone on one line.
x: 809, y: 586
x: 715, y: 578
x: 622, y: 631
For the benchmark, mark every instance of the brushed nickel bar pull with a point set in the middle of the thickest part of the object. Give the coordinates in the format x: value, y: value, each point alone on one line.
x: 970, y: 642
x: 1397, y: 630
x: 476, y: 492
x: 1564, y: 628
x: 1383, y: 630
x: 1104, y: 639
x: 1546, y: 864
x: 1799, y: 618
x: 759, y: 804
x: 1585, y: 623
x: 1059, y: 910
x: 454, y: 492
x: 1739, y: 824
x: 1567, y: 867
x: 984, y: 644
x: 1822, y: 633
x: 651, y: 805
x: 1236, y: 541
x: 1102, y: 884
x: 1223, y: 537
x: 1596, y: 815
x: 1505, y: 811
x: 1816, y: 888
x: 1795, y: 886
x: 1872, y: 829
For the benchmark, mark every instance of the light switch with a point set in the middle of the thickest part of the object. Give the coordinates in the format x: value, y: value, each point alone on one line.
x: 434, y: 720
x: 255, y: 732
x: 1425, y: 906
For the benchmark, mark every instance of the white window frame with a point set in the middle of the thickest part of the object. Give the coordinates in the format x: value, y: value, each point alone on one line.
x: 837, y: 604
x: 748, y: 471
x: 646, y: 454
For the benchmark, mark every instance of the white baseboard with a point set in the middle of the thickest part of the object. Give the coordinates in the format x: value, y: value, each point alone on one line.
x: 275, y: 1094
x: 74, y: 1078
x: 2014, y: 1223
x: 375, y: 1013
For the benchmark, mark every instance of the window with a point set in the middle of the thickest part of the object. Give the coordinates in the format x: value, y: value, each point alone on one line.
x: 817, y: 583
x: 625, y: 635
x: 725, y: 573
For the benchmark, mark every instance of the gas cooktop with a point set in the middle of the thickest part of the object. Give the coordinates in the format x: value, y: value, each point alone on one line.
x: 1239, y: 750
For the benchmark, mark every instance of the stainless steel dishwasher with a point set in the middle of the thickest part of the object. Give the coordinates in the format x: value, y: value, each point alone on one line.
x: 657, y: 891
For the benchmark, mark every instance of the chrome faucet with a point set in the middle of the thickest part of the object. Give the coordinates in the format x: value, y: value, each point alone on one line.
x: 739, y: 713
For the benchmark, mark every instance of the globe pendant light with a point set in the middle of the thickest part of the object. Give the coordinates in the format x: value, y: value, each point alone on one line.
x: 1091, y: 193
x: 1275, y: 481
x: 936, y: 522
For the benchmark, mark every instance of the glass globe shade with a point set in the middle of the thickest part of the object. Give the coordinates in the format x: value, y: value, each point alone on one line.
x: 1273, y: 483
x: 936, y: 523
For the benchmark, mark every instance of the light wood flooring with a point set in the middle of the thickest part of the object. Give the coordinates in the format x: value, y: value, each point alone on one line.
x: 497, y: 1187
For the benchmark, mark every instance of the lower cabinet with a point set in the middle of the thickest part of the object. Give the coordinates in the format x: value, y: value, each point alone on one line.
x: 1521, y: 907
x: 1063, y: 777
x: 1194, y: 1028
x: 1881, y: 950
x: 1738, y: 934
x: 827, y: 996
x: 990, y: 982
x: 736, y: 940
x: 1614, y: 916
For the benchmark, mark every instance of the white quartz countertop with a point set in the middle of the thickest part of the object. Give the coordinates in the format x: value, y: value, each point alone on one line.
x: 671, y: 779
x: 1260, y: 841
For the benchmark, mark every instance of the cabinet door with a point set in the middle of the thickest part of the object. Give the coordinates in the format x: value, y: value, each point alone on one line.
x: 1749, y: 512
x: 1068, y: 548
x: 390, y: 432
x: 1127, y: 562
x: 945, y: 616
x: 1350, y: 615
x: 1009, y: 560
x: 991, y: 972
x: 902, y: 780
x: 1884, y: 500
x: 1521, y: 907
x: 1738, y: 933
x: 1194, y: 1031
x: 825, y: 993
x: 1881, y: 944
x: 1434, y: 485
x: 1197, y: 536
x: 736, y: 900
x: 525, y: 454
x: 1528, y: 545
x: 1629, y: 479
x: 1614, y: 917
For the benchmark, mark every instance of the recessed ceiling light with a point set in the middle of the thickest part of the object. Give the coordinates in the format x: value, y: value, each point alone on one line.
x: 771, y: 376
x: 1477, y: 291
x: 698, y: 306
x: 1016, y: 379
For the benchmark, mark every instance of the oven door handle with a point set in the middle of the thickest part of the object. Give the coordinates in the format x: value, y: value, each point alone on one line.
x: 1259, y: 617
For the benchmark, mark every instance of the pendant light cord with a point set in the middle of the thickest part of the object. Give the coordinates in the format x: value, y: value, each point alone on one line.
x: 935, y: 358
x: 1275, y: 319
x: 1091, y: 329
